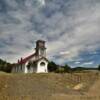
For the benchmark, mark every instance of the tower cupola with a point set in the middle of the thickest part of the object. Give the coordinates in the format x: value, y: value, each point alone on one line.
x: 40, y: 48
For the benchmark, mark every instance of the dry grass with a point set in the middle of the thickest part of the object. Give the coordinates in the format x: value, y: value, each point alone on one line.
x: 47, y: 86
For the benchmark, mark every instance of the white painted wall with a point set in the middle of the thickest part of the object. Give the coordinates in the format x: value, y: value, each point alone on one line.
x: 42, y: 69
x: 26, y: 69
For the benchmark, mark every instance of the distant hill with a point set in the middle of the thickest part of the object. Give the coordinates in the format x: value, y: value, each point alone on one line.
x: 83, y: 68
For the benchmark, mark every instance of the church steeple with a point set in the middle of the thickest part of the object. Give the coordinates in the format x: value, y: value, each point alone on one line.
x: 40, y: 48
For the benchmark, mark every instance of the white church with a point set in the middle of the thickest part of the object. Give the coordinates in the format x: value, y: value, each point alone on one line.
x: 35, y: 63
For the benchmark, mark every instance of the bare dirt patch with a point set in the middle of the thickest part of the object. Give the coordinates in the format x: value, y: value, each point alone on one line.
x: 47, y: 86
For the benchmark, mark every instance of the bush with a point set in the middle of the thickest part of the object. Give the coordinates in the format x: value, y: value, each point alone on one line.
x: 67, y: 68
x: 52, y: 67
x: 99, y: 67
x: 4, y: 66
x: 60, y: 70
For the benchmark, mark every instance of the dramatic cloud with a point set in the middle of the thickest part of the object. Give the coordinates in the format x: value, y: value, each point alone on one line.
x: 70, y: 27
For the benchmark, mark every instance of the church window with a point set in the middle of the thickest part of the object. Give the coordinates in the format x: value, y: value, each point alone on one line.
x: 42, y: 64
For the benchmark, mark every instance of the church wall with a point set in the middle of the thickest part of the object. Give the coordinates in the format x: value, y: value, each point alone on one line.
x: 30, y: 70
x: 13, y: 69
x: 25, y: 68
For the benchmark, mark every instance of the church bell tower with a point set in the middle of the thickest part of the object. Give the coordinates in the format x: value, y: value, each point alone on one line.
x: 40, y: 49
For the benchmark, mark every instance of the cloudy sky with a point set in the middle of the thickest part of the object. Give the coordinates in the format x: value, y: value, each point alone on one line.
x: 71, y: 29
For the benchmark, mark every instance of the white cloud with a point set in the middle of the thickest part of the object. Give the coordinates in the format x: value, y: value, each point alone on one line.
x: 88, y: 63
x: 68, y: 30
x: 65, y: 53
x: 77, y: 62
x: 42, y: 2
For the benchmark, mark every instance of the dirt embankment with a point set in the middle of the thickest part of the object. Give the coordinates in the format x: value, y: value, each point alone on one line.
x: 46, y: 86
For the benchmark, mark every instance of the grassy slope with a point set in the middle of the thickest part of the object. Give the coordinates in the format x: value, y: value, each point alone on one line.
x: 44, y: 86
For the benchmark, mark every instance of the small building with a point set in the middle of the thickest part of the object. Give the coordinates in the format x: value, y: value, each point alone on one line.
x: 35, y: 63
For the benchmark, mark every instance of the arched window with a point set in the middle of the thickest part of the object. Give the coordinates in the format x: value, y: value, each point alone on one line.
x: 42, y: 64
x: 29, y: 65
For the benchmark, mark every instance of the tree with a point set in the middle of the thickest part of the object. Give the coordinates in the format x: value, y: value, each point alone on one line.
x: 99, y: 67
x: 60, y: 70
x: 8, y: 67
x: 52, y: 67
x: 67, y: 68
x: 4, y: 66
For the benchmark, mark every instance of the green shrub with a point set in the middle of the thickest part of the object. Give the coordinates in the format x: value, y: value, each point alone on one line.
x: 99, y: 67
x: 52, y: 67
x: 60, y: 70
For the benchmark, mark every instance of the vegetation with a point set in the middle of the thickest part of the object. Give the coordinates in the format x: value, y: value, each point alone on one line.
x: 52, y: 67
x: 64, y: 69
x: 5, y: 66
x: 83, y: 68
x: 67, y: 68
x: 99, y: 67
x: 60, y: 70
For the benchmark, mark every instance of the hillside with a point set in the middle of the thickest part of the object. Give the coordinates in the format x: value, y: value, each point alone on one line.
x: 46, y: 86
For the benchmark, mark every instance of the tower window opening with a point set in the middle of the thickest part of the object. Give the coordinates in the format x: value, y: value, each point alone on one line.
x: 42, y: 64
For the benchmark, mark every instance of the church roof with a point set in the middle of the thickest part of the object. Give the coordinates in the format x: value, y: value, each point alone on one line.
x: 22, y: 61
x: 41, y: 59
